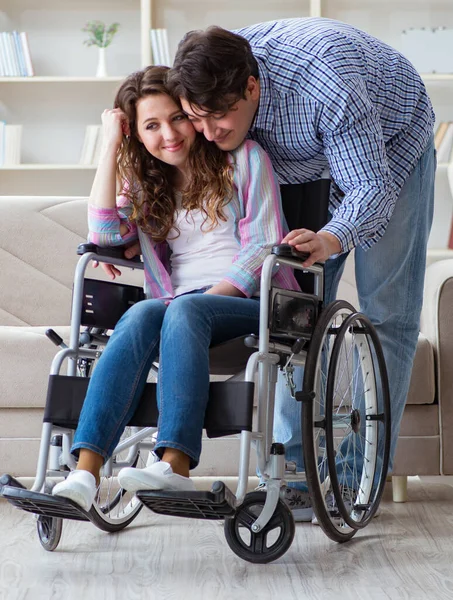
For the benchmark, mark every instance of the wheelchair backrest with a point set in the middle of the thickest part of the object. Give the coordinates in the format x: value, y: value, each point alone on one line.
x: 306, y: 205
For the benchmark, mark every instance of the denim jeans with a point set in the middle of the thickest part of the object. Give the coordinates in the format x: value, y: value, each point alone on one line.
x: 180, y: 334
x: 389, y: 278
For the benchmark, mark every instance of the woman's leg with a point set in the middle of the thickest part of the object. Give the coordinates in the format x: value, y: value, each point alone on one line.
x: 116, y: 386
x: 192, y: 323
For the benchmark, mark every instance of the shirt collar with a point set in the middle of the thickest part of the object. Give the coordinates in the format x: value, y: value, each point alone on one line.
x: 264, y: 117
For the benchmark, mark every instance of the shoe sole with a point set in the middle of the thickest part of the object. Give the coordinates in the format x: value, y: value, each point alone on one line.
x: 302, y: 515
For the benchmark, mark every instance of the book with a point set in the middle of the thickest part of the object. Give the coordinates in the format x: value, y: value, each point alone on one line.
x: 19, y: 54
x: 7, y: 53
x: 89, y: 144
x: 155, y: 49
x: 26, y: 51
x: 2, y: 142
x: 98, y: 146
x: 12, y: 140
x: 14, y: 54
x: 159, y: 47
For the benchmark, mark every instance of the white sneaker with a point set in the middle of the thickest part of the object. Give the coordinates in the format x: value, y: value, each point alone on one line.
x: 297, y: 501
x: 158, y: 476
x: 79, y: 486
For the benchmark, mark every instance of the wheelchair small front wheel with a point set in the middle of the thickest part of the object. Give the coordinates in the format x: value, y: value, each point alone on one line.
x: 49, y: 532
x: 266, y: 545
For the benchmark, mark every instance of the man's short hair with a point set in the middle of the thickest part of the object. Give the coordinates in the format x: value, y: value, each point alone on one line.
x: 212, y: 68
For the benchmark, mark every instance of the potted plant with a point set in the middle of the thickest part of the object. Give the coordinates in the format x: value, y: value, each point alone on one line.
x: 101, y: 36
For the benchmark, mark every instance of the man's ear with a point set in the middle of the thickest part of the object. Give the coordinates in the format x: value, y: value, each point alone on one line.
x: 253, y: 88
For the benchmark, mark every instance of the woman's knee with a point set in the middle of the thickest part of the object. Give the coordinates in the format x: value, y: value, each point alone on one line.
x: 189, y: 307
x: 142, y: 316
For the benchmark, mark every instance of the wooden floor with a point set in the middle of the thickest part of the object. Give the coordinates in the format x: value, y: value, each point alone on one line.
x: 406, y: 553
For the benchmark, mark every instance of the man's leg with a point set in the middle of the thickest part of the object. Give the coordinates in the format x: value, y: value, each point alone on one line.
x: 288, y: 412
x: 390, y: 278
x: 390, y: 284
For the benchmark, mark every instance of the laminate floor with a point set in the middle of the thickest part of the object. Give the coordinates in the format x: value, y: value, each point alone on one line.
x: 406, y: 553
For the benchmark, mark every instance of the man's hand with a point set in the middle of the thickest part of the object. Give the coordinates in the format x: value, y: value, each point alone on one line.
x: 110, y: 270
x: 320, y: 245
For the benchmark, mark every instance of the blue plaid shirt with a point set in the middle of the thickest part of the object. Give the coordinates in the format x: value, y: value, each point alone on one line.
x: 333, y: 96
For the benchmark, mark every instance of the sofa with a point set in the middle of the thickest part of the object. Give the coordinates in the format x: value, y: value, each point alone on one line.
x: 38, y: 240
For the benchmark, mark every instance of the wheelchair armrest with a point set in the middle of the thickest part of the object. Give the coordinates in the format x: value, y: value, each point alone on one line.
x: 287, y: 251
x: 111, y: 252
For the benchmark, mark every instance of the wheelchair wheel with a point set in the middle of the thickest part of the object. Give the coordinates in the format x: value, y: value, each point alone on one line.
x: 357, y: 421
x: 268, y: 544
x: 49, y: 528
x: 49, y: 532
x: 314, y: 419
x: 114, y: 508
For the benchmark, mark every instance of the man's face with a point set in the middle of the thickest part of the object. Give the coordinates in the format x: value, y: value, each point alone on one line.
x: 227, y: 130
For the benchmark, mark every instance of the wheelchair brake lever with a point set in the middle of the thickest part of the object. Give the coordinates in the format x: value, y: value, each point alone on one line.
x: 55, y: 338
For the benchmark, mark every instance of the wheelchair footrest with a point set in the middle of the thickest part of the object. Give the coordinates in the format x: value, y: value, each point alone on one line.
x: 43, y: 504
x: 217, y: 504
x: 11, y: 481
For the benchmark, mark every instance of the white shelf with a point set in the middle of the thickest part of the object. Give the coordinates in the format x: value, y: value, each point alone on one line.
x: 48, y: 167
x: 43, y: 79
x: 440, y: 252
x: 437, y: 76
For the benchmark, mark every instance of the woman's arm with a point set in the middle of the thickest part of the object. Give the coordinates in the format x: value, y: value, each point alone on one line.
x: 108, y: 222
x: 225, y: 288
x: 261, y: 225
x: 114, y: 126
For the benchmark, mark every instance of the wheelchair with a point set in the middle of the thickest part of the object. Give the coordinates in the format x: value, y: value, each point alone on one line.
x: 344, y: 408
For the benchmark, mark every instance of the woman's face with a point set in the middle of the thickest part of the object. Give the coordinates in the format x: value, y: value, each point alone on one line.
x: 164, y: 129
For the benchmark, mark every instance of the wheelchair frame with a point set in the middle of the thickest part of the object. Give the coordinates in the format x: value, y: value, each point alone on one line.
x: 258, y: 512
x: 270, y: 456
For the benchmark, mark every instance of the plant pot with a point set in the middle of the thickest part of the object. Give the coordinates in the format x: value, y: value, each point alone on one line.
x: 102, y: 67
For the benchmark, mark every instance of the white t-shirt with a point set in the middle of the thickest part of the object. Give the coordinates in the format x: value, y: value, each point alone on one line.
x: 200, y: 258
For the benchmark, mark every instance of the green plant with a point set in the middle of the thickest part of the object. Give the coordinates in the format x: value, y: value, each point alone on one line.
x: 99, y: 35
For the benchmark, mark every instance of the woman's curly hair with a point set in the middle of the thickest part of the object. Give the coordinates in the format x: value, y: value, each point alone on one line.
x: 148, y: 182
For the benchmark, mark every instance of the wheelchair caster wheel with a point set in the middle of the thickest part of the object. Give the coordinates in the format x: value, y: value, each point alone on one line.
x: 266, y: 545
x: 49, y: 532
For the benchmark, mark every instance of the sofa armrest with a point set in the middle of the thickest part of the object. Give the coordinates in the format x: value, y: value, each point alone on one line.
x: 437, y: 326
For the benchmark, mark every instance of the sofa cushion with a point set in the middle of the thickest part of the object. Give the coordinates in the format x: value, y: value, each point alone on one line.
x: 422, y: 389
x: 25, y: 358
x: 38, y: 245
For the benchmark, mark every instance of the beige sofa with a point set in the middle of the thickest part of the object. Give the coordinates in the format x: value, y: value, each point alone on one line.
x: 38, y: 238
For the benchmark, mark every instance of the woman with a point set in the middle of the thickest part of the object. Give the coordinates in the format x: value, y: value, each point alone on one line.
x: 206, y: 220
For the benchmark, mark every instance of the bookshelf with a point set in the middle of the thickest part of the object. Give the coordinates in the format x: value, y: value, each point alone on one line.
x: 66, y: 96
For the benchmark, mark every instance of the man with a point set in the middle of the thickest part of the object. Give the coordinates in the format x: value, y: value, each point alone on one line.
x: 317, y: 93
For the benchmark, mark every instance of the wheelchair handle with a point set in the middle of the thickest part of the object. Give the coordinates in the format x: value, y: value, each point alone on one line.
x: 287, y: 251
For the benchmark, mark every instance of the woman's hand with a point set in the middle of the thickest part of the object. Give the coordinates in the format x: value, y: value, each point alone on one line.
x: 319, y: 245
x: 115, y: 125
x: 110, y: 270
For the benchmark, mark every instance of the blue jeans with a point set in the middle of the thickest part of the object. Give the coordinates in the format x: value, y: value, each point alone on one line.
x: 180, y: 334
x: 389, y: 278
